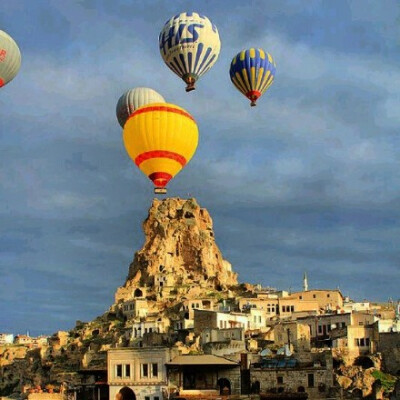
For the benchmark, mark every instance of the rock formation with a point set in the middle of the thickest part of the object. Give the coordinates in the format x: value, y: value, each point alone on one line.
x: 179, y: 250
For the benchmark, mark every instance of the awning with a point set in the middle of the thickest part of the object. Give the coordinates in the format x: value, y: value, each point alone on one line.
x: 202, y: 360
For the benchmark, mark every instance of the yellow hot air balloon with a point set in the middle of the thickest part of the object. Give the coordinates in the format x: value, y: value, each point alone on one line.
x: 160, y: 138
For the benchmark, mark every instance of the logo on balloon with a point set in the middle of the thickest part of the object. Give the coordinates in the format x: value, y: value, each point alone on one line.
x: 173, y: 38
x: 3, y: 54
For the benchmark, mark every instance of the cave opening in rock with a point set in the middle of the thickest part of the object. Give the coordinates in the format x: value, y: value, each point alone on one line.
x: 364, y: 362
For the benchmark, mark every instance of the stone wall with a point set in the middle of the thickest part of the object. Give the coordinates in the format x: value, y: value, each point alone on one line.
x: 45, y: 396
x: 389, y: 346
x: 294, y: 380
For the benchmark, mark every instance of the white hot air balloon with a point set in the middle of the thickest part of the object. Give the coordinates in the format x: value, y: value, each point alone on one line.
x: 189, y: 45
x: 133, y: 99
x: 10, y: 58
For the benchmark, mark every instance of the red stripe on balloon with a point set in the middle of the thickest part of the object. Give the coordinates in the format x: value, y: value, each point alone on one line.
x: 160, y: 154
x: 1, y: 82
x: 160, y: 179
x: 143, y: 110
x: 253, y: 94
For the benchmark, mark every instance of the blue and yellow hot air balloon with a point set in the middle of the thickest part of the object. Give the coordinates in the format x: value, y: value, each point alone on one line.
x: 160, y: 139
x: 10, y: 58
x: 189, y: 45
x: 252, y: 72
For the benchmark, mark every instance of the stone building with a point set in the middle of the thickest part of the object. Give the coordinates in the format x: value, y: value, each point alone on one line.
x: 134, y: 308
x: 6, y: 338
x: 294, y: 334
x: 203, y: 375
x: 328, y: 300
x: 137, y: 373
x: 213, y: 319
x: 389, y: 347
x: 288, y: 375
x: 149, y: 325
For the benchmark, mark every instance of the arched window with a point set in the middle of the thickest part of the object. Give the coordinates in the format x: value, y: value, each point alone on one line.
x: 224, y: 386
x: 255, y: 387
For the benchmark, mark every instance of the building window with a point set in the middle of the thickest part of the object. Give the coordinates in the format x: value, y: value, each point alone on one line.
x: 319, y: 328
x: 156, y: 398
x: 146, y: 397
x: 367, y: 341
x: 361, y: 323
x: 118, y: 371
x: 292, y: 308
x: 259, y: 319
x: 145, y: 370
x: 127, y: 371
x: 268, y: 309
x: 301, y: 297
x: 279, y: 380
x: 154, y: 371
x: 310, y: 380
x: 328, y: 295
x: 362, y: 343
x: 314, y: 296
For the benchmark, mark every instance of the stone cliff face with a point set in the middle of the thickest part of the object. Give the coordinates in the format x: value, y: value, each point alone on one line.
x: 179, y: 249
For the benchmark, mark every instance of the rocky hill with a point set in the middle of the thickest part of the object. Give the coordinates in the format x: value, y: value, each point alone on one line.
x: 179, y: 260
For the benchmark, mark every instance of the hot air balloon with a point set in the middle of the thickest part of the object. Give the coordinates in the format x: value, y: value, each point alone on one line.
x: 160, y: 138
x: 252, y: 72
x: 189, y: 45
x: 10, y: 58
x: 133, y: 99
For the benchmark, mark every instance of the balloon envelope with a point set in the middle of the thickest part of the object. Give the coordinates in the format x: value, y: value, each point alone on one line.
x: 133, y: 99
x: 10, y: 58
x: 160, y: 138
x: 252, y: 72
x: 189, y: 45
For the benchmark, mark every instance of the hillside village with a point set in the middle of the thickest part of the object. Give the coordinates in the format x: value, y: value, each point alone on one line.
x: 182, y: 327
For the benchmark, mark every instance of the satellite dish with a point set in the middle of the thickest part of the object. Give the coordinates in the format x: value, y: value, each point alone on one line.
x: 266, y: 353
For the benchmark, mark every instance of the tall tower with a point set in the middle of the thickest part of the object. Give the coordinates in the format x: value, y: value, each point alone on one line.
x: 305, y: 282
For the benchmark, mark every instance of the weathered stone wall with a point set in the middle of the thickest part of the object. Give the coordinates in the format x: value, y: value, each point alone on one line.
x: 389, y: 346
x: 204, y: 319
x: 294, y: 378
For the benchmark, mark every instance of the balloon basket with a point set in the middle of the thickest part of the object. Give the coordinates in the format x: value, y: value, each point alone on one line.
x: 253, y: 104
x: 190, y: 87
x: 160, y: 191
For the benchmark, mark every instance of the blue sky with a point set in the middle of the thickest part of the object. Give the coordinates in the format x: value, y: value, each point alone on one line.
x: 309, y: 180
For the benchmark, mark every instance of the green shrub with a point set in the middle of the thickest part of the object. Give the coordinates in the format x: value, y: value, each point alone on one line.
x: 388, y: 381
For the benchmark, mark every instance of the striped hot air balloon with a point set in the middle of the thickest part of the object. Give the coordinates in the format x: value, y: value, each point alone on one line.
x: 252, y: 72
x: 160, y: 138
x: 10, y: 58
x: 133, y: 99
x: 189, y: 45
